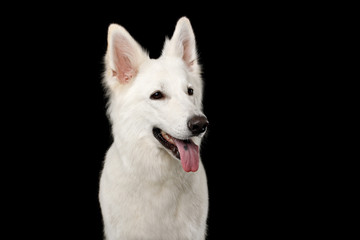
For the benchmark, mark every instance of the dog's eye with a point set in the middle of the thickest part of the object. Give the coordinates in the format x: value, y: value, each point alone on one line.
x: 156, y: 95
x: 190, y: 91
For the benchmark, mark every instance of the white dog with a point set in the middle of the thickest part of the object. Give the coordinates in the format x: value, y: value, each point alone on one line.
x: 153, y: 185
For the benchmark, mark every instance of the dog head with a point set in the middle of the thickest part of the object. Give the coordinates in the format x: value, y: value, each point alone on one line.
x: 156, y: 102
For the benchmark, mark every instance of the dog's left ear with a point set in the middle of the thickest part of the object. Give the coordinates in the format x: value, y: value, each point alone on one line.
x: 182, y: 44
x: 124, y: 55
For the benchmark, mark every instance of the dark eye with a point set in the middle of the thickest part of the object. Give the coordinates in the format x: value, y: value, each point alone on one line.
x: 156, y: 95
x: 190, y: 91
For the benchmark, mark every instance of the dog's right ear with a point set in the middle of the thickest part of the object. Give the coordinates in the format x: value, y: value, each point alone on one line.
x: 123, y: 57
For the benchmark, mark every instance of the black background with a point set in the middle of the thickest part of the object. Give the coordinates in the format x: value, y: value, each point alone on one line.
x: 252, y: 58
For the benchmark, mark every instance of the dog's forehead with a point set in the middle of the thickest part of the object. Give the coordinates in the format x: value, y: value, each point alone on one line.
x: 164, y: 71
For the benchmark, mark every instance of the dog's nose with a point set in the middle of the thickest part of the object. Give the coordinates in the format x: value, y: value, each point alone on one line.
x: 198, y: 124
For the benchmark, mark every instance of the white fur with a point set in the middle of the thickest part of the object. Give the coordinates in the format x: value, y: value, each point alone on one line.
x: 144, y: 191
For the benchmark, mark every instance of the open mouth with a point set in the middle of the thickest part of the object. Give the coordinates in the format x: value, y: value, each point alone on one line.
x: 167, y: 141
x: 185, y: 150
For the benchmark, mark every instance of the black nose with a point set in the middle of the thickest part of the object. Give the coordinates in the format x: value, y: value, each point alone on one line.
x: 198, y: 124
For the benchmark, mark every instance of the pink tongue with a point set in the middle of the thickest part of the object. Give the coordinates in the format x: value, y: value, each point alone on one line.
x: 189, y: 155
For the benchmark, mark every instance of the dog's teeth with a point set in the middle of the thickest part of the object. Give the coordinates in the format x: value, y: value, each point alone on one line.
x: 167, y: 137
x: 163, y: 133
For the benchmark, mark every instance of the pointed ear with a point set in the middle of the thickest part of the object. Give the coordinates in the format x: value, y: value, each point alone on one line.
x: 182, y: 43
x: 124, y: 55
